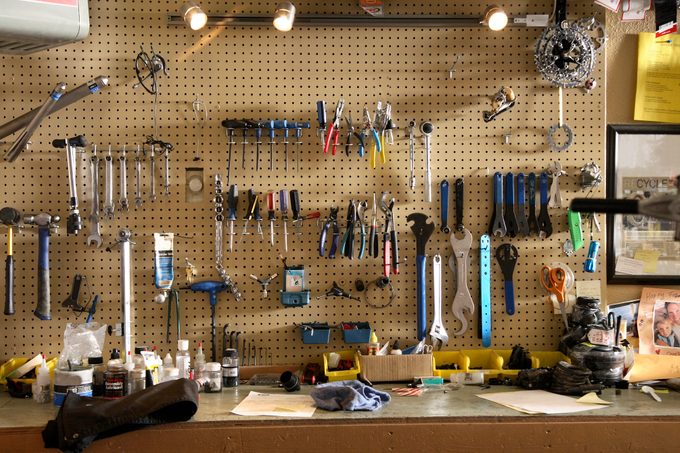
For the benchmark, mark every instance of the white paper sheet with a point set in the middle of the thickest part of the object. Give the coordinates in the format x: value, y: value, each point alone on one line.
x: 276, y: 405
x: 539, y: 402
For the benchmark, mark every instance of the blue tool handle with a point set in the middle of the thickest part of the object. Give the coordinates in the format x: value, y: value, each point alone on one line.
x: 421, y: 309
x: 444, y: 205
x: 510, y: 297
x: 485, y: 289
x: 532, y: 189
x: 322, y: 241
x: 376, y: 139
x: 521, y: 196
x: 283, y: 202
x: 93, y: 309
x: 334, y: 244
x: 272, y: 133
x: 498, y: 188
x: 590, y: 265
x: 321, y: 114
x: 545, y: 197
x: 510, y: 189
x: 279, y: 124
x: 42, y: 311
x: 362, y: 149
x: 258, y: 132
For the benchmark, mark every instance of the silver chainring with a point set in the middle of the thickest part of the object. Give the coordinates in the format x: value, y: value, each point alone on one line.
x: 565, y: 55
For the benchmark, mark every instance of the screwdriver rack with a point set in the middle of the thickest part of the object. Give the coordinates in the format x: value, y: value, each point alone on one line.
x: 257, y: 72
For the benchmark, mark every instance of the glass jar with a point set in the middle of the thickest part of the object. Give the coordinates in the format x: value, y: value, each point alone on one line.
x: 230, y: 368
x: 115, y: 380
x: 211, y: 378
x: 137, y: 380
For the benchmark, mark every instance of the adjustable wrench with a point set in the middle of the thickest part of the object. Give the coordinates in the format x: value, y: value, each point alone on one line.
x: 498, y: 228
x: 138, y: 178
x: 444, y: 206
x: 152, y: 175
x: 438, y: 333
x: 463, y: 300
x: 122, y: 160
x: 522, y: 223
x: 422, y: 230
x: 510, y: 220
x: 544, y: 224
x: 533, y: 223
x: 412, y: 155
x: 427, y: 128
x: 95, y: 237
x: 108, y: 186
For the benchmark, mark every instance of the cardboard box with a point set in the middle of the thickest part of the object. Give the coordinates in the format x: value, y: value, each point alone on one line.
x: 395, y: 368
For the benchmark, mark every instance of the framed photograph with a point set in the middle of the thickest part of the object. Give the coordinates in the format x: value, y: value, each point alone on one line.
x: 642, y: 161
x: 659, y: 321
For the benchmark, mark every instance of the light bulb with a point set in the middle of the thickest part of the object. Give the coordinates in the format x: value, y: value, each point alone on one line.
x: 495, y: 18
x: 284, y: 16
x: 193, y: 15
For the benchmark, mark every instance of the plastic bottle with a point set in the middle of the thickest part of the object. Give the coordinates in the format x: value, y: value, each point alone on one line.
x: 182, y: 358
x: 373, y: 345
x: 199, y: 362
x: 167, y: 361
x: 41, y: 388
x: 115, y: 377
x: 98, y: 370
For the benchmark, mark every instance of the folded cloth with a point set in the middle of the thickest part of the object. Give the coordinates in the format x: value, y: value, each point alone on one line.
x: 348, y: 395
x: 81, y: 420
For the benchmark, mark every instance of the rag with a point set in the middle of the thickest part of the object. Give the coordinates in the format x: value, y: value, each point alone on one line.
x: 349, y: 396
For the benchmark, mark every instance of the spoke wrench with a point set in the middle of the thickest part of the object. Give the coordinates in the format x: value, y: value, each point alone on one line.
x: 544, y: 224
x: 522, y: 223
x: 498, y: 228
x: 444, y: 206
x: 506, y: 255
x: 463, y: 300
x: 438, y: 333
x: 422, y: 230
x: 510, y: 219
x: 95, y: 237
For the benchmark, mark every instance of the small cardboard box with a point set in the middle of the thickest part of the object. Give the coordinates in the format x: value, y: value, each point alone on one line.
x: 395, y: 368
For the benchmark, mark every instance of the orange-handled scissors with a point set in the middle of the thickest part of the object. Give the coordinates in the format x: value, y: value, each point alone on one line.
x: 554, y: 279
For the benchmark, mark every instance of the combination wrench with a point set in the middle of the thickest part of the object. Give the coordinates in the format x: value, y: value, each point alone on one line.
x: 108, y: 186
x: 438, y: 333
x: 122, y: 161
x: 427, y: 128
x: 463, y: 300
x: 498, y: 227
x: 95, y: 237
x: 73, y: 223
x: 138, y: 178
x: 152, y: 175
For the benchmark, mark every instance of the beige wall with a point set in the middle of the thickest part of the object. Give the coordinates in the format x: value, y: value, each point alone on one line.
x: 620, y: 97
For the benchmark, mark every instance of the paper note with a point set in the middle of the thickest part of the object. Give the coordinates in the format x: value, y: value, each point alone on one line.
x: 592, y: 398
x: 276, y: 405
x: 651, y: 366
x: 612, y: 5
x: 589, y: 288
x: 650, y: 258
x: 539, y: 402
x: 629, y: 266
x: 658, y: 79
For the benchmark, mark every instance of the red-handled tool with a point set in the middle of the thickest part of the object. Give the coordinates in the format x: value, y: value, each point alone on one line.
x: 334, y: 129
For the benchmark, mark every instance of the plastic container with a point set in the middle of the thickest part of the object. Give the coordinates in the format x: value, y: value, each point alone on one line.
x: 295, y: 299
x: 41, y: 387
x: 484, y: 360
x: 359, y: 333
x: 75, y: 381
x: 343, y: 375
x: 211, y: 378
x: 315, y: 333
x: 230, y: 370
x: 450, y: 359
x: 182, y: 358
x: 115, y: 380
x: 547, y: 359
x: 136, y: 380
x: 170, y: 374
x: 199, y: 362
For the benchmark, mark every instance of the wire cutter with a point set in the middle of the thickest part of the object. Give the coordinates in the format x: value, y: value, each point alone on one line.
x: 347, y: 247
x: 331, y: 221
x: 390, y: 245
x: 334, y: 129
x: 351, y: 132
x: 361, y: 210
x: 369, y: 129
x: 373, y: 236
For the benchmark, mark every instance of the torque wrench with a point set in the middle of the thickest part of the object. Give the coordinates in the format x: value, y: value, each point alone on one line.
x: 138, y: 178
x: 122, y: 161
x: 522, y: 223
x: 44, y: 222
x: 485, y: 290
x: 152, y: 173
x: 498, y: 227
x: 510, y: 220
x: 427, y: 128
x: 11, y: 218
x: 74, y: 223
x: 507, y: 255
x: 95, y: 237
x: 108, y: 186
x: 444, y: 206
x: 412, y: 155
x: 422, y: 230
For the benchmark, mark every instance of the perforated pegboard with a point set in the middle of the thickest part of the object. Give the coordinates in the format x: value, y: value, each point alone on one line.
x: 258, y: 73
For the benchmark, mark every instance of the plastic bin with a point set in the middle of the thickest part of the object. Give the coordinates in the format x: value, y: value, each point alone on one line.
x: 360, y: 334
x: 296, y: 299
x: 344, y: 375
x: 547, y: 359
x: 505, y: 355
x: 447, y: 358
x: 485, y: 360
x: 315, y: 333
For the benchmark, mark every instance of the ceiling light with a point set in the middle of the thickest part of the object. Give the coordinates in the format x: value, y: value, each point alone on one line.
x: 495, y: 18
x: 284, y: 16
x: 193, y: 15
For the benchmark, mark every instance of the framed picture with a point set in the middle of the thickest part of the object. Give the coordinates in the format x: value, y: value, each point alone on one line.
x: 642, y: 161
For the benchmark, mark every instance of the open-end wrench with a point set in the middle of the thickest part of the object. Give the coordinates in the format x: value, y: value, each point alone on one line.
x: 427, y: 128
x: 498, y: 228
x: 138, y: 178
x: 412, y: 155
x: 444, y: 206
x: 152, y: 173
x: 109, y: 207
x: 544, y: 224
x: 533, y: 223
x: 510, y: 220
x: 463, y: 300
x: 506, y: 255
x: 422, y: 230
x: 95, y: 237
x: 122, y: 160
x: 460, y: 203
x: 438, y: 333
x: 522, y: 223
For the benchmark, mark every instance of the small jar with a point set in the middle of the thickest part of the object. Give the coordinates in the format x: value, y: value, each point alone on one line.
x: 230, y: 368
x: 211, y: 377
x: 115, y: 380
x: 170, y: 374
x: 137, y: 381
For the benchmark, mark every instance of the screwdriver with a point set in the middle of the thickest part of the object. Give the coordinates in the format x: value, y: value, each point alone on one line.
x: 283, y: 207
x: 258, y: 137
x: 252, y: 204
x: 373, y: 237
x: 233, y: 204
x: 258, y: 216
x: 230, y: 125
x: 271, y: 145
x: 295, y: 207
x: 285, y: 144
x: 271, y: 209
x: 321, y: 116
x: 298, y: 136
x: 246, y: 125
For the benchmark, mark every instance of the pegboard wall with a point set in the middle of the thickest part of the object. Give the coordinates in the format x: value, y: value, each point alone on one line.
x: 259, y: 73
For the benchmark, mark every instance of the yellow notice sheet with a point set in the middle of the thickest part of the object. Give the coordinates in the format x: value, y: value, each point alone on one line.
x: 658, y: 79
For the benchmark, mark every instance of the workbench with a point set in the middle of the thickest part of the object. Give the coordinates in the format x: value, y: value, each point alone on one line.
x: 451, y: 420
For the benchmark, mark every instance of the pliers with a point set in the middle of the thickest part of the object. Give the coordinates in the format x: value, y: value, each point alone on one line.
x: 332, y: 220
x: 350, y: 133
x: 173, y: 296
x: 334, y: 130
x: 368, y: 128
x: 390, y: 244
x: 373, y: 236
x: 347, y: 247
x: 361, y: 210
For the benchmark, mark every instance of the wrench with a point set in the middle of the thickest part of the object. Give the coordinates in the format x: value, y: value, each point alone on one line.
x: 510, y: 220
x: 544, y: 224
x: 463, y: 300
x: 122, y: 161
x: 152, y: 167
x: 498, y: 227
x: 422, y: 230
x: 108, y: 186
x: 555, y: 170
x: 138, y: 178
x: 95, y: 237
x: 522, y: 222
x: 444, y: 207
x: 166, y: 174
x: 507, y: 255
x: 438, y: 333
x: 427, y: 128
x: 533, y: 223
x: 74, y: 223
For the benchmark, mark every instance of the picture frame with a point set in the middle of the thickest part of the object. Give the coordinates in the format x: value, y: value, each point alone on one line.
x: 642, y: 160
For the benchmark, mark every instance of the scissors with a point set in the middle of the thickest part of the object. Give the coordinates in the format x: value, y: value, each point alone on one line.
x: 554, y: 279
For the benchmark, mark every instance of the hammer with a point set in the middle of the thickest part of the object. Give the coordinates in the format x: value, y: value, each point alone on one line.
x: 44, y: 222
x: 212, y: 288
x: 10, y: 217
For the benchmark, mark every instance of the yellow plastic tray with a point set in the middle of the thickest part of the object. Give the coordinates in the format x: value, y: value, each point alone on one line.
x: 547, y: 359
x: 344, y: 375
x: 15, y: 362
x: 484, y: 360
x: 448, y: 357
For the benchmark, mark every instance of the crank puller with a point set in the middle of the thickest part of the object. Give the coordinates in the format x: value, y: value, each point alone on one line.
x: 485, y: 290
x: 522, y: 223
x: 422, y: 230
x: 507, y: 255
x: 510, y: 219
x: 533, y: 223
x: 444, y: 207
x: 544, y: 224
x: 460, y: 203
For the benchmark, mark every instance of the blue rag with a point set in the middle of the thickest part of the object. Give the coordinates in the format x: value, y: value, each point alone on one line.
x: 349, y: 396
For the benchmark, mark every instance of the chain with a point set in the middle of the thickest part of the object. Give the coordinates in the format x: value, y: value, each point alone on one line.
x: 219, y: 218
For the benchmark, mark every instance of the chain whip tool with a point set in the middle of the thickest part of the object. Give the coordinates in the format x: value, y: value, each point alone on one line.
x: 219, y: 256
x: 122, y: 160
x: 138, y: 178
x: 485, y: 289
x: 109, y: 207
x: 45, y: 222
x: 462, y: 301
x: 271, y: 215
x: 427, y: 128
x: 74, y: 223
x: 412, y: 155
x: 95, y: 237
x: 438, y: 333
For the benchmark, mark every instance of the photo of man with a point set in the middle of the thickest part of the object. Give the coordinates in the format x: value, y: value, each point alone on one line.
x: 673, y: 313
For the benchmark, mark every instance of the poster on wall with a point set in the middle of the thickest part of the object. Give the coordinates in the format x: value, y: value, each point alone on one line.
x: 659, y: 321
